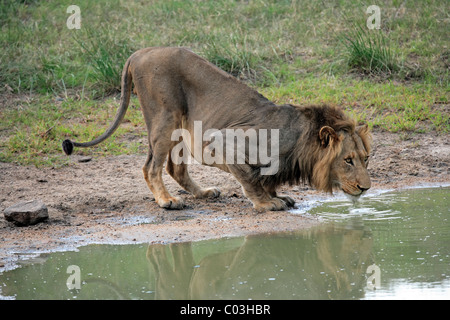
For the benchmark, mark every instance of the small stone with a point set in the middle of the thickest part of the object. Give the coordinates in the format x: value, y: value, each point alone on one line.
x: 84, y: 159
x: 27, y: 213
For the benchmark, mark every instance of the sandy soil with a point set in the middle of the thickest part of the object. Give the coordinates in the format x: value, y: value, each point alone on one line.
x: 106, y: 200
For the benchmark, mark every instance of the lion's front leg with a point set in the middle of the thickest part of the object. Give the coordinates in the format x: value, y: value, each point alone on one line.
x: 288, y: 200
x: 261, y: 199
x: 271, y: 204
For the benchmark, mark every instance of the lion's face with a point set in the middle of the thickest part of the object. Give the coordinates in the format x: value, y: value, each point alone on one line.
x: 349, y: 169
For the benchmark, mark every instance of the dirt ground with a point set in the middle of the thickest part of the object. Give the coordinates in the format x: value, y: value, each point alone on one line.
x: 106, y: 200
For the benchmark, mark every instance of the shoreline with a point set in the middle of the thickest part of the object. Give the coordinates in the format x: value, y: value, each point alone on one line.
x: 136, y: 233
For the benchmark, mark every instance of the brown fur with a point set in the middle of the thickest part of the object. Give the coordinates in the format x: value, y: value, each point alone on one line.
x: 175, y: 87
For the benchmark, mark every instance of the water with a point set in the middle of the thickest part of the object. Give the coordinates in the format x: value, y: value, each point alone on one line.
x: 411, y: 240
x: 389, y: 246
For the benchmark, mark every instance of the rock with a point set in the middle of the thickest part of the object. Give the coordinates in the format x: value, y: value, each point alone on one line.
x: 27, y: 213
x: 84, y: 159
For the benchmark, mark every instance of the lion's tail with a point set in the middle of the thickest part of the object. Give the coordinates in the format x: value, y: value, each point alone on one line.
x: 68, y: 145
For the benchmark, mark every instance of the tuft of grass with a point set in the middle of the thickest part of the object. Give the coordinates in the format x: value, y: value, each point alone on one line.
x: 234, y: 59
x: 106, y: 55
x: 369, y: 51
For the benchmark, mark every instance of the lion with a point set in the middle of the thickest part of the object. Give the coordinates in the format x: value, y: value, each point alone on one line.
x: 317, y: 144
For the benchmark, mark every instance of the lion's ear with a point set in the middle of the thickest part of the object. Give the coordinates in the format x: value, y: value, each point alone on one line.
x: 362, y: 130
x: 364, y: 133
x: 327, y: 135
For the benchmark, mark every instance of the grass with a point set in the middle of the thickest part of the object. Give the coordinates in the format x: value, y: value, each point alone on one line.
x: 235, y: 60
x: 58, y: 83
x: 105, y: 55
x: 369, y: 51
x: 388, y: 105
x: 32, y: 130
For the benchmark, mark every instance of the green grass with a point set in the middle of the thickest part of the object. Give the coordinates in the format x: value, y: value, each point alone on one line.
x: 106, y: 55
x: 388, y: 105
x: 369, y: 51
x: 58, y: 83
x: 32, y: 131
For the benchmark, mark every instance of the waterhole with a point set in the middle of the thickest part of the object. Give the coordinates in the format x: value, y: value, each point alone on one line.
x: 389, y: 246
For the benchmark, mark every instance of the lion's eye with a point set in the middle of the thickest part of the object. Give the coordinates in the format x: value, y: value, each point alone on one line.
x: 349, y: 160
x: 366, y: 159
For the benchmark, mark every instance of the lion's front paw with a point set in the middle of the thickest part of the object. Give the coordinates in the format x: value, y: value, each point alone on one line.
x: 274, y: 204
x: 208, y: 193
x: 171, y: 203
x: 288, y: 200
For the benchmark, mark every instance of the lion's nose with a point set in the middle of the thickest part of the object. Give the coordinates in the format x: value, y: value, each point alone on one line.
x: 362, y: 188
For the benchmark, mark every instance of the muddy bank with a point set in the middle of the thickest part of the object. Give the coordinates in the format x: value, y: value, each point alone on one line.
x: 106, y: 200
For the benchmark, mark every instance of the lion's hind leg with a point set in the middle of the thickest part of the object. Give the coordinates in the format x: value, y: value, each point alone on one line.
x: 153, y: 176
x: 180, y: 174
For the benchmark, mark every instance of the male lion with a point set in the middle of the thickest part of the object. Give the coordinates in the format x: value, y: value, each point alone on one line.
x: 316, y: 144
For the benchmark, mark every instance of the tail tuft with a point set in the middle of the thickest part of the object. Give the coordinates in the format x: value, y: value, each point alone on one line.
x: 67, y: 146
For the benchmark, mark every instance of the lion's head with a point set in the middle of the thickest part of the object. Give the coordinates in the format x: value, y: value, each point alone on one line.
x: 331, y: 153
x: 349, y: 158
x: 341, y: 154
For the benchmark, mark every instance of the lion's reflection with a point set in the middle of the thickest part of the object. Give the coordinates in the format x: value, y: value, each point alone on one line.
x: 322, y: 263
